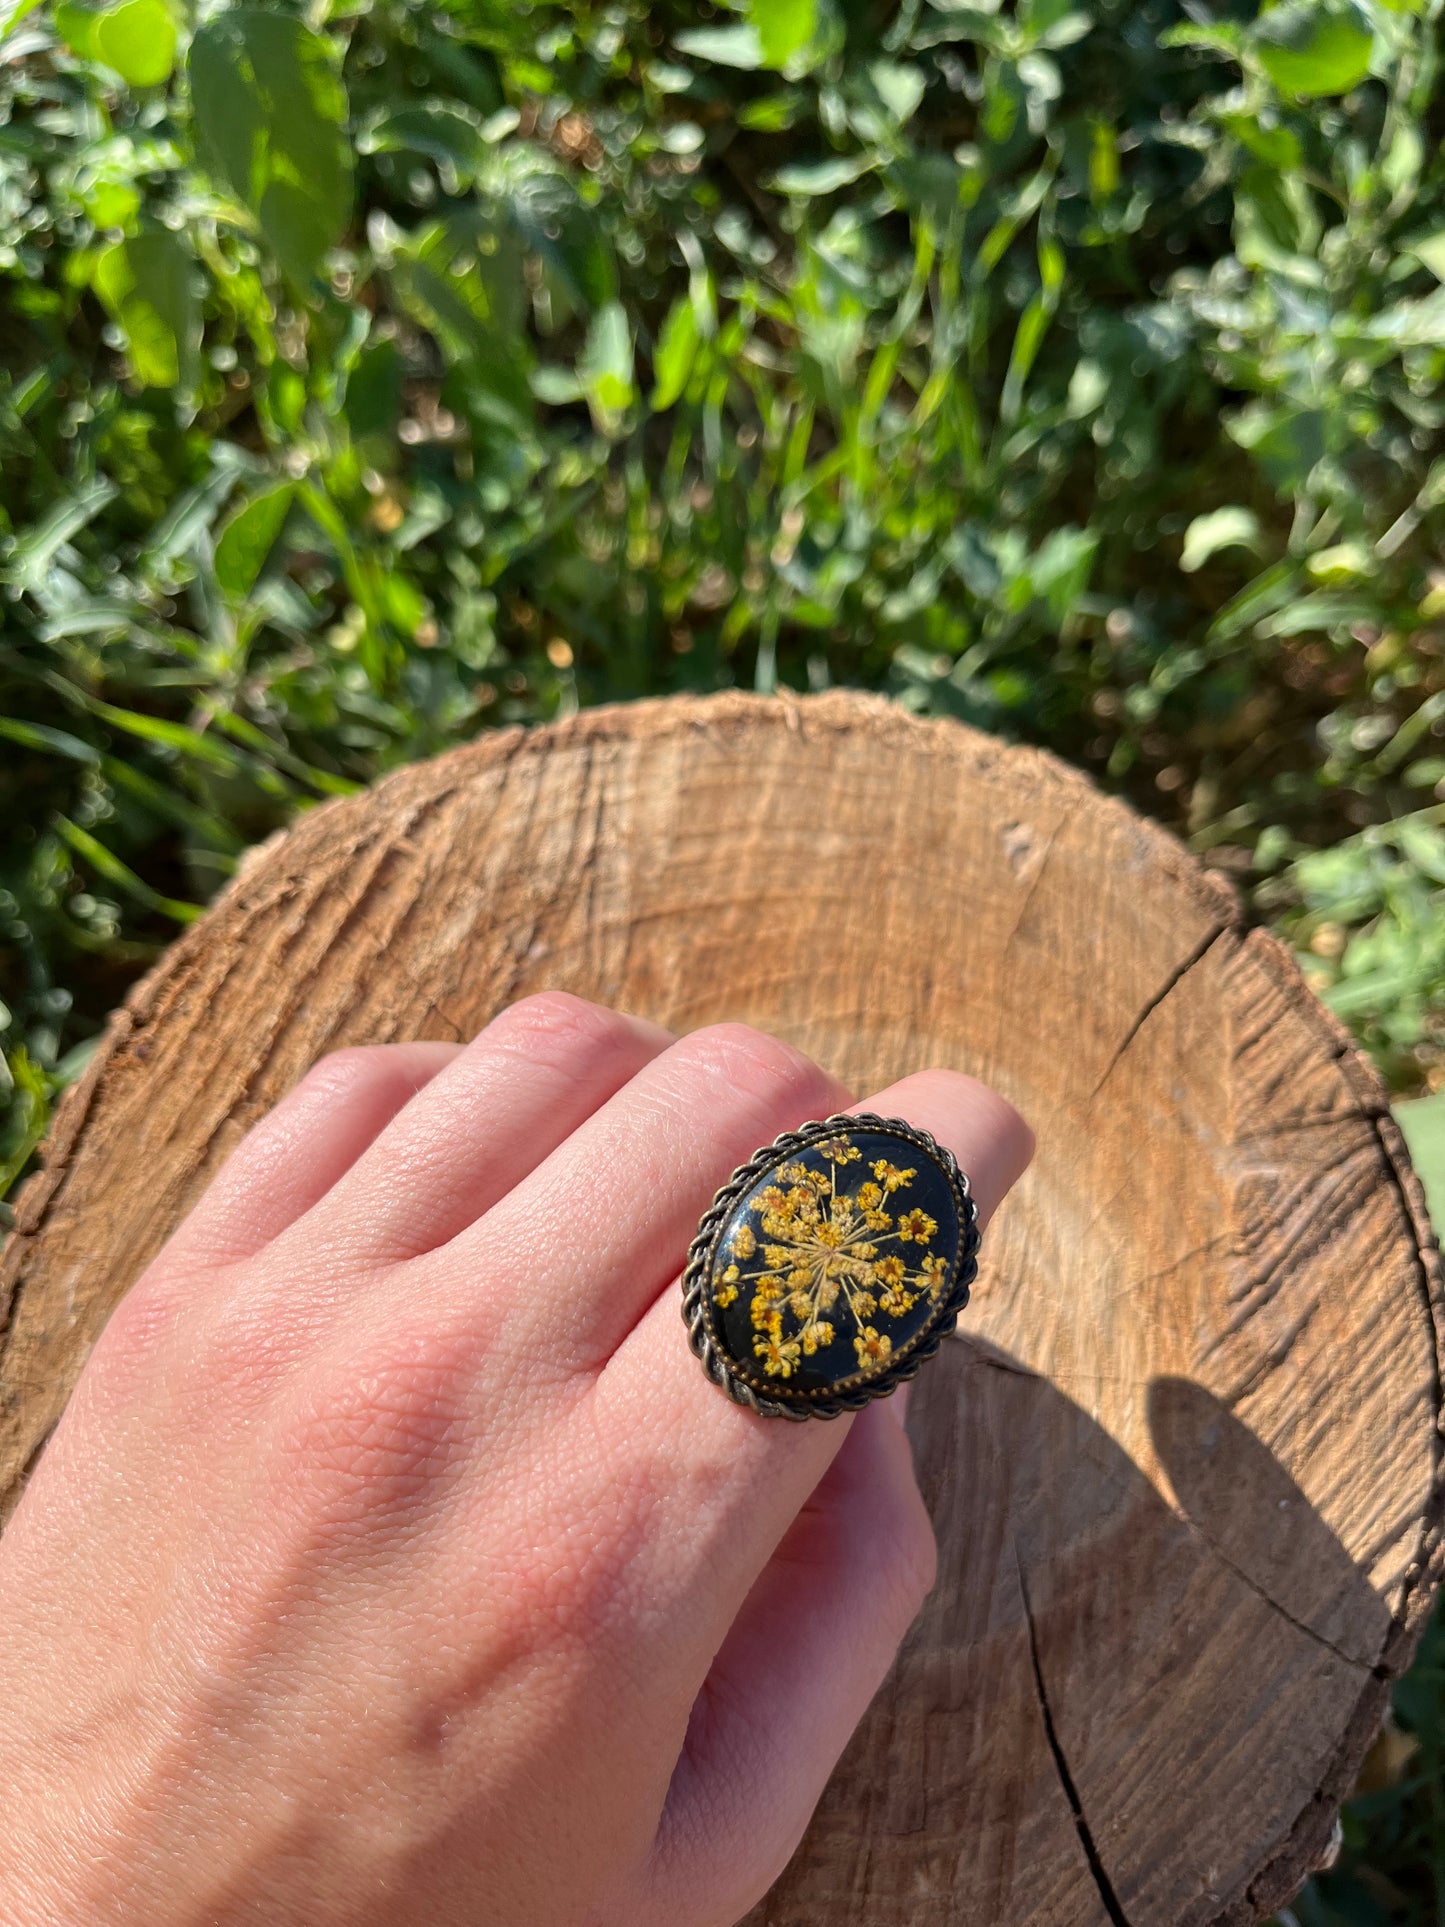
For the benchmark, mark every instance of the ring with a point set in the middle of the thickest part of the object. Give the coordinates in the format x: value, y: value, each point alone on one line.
x: 830, y: 1266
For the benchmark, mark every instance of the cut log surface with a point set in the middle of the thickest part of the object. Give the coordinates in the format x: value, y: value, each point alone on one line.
x: 1183, y: 1457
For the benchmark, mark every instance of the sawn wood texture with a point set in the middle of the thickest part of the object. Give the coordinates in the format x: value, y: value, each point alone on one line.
x: 1184, y: 1459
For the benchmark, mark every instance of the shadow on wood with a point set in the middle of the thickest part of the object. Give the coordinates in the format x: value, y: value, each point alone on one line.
x: 1073, y: 1713
x: 1184, y: 1460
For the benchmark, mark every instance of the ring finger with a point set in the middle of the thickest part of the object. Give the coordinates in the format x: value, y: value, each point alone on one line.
x: 690, y: 1439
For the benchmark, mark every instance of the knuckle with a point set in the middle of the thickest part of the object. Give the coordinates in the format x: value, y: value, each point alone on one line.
x: 211, y: 1357
x: 342, y: 1072
x: 580, y: 1588
x: 557, y: 1028
x: 136, y: 1343
x: 368, y: 1432
x: 237, y: 1346
x: 760, y: 1065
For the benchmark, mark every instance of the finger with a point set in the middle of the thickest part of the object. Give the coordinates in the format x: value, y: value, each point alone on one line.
x: 810, y: 1648
x: 293, y: 1157
x: 993, y: 1144
x: 728, y: 1482
x: 504, y: 1102
x: 625, y: 1191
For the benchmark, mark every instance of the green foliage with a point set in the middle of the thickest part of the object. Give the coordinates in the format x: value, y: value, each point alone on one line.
x: 378, y: 374
x: 1422, y: 1120
x: 145, y: 284
x: 1370, y: 916
x: 268, y: 115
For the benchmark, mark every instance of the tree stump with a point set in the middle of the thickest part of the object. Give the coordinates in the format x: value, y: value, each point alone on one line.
x: 1184, y: 1456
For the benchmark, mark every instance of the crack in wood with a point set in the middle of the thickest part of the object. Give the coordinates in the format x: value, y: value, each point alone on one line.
x: 1097, y: 1871
x: 1263, y: 1594
x: 1220, y: 928
x: 433, y: 1009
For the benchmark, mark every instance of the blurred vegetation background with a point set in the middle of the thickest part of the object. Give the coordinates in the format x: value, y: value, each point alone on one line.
x: 373, y: 373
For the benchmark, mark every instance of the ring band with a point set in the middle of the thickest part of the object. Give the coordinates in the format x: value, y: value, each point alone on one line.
x: 830, y: 1266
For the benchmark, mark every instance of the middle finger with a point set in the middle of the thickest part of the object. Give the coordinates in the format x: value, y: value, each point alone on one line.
x: 622, y: 1196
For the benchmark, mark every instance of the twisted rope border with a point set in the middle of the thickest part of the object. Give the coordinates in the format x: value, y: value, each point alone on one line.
x: 695, y: 1309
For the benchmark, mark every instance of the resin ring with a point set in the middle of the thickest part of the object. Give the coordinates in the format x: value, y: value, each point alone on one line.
x: 830, y: 1266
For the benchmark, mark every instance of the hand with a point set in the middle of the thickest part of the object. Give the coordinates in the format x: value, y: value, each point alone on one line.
x: 394, y: 1562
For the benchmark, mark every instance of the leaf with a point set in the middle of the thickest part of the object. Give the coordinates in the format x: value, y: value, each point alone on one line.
x: 1226, y: 528
x: 444, y: 130
x: 146, y: 285
x: 551, y: 218
x: 1422, y: 1121
x: 269, y: 110
x: 249, y: 537
x: 1404, y: 159
x: 76, y: 25
x: 899, y: 87
x: 822, y: 177
x: 606, y: 364
x: 1060, y: 568
x: 1285, y: 441
x: 463, y: 283
x: 963, y: 22
x: 1306, y: 50
x: 107, y: 864
x: 12, y: 15
x: 1430, y: 249
x: 168, y: 735
x: 1275, y: 145
x: 1424, y: 846
x: 1033, y: 326
x: 112, y: 204
x: 772, y: 113
x: 373, y: 390
x: 784, y: 28
x: 193, y: 510
x: 1221, y: 37
x: 1065, y: 31
x: 1341, y: 564
x: 137, y: 39
x: 1317, y: 611
x: 1028, y: 338
x: 1414, y: 324
x: 669, y: 79
x: 556, y: 386
x: 738, y: 46
x: 36, y: 548
x: 676, y: 353
x: 59, y: 742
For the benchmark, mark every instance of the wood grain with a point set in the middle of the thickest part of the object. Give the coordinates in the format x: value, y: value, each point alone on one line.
x: 1185, y: 1463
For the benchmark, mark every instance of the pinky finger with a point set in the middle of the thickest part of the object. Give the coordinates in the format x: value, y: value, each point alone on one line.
x: 298, y: 1151
x: 812, y: 1645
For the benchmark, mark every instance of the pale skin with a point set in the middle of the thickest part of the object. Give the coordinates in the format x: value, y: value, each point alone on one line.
x: 394, y: 1562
